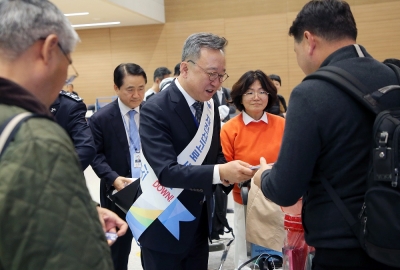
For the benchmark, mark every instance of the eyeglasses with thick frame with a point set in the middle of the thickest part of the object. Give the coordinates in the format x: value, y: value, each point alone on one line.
x: 72, y: 77
x: 251, y: 94
x: 212, y: 75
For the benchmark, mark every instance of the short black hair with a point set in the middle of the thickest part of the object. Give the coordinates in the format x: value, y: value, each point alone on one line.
x: 393, y: 61
x: 245, y: 81
x: 329, y: 19
x: 160, y: 73
x: 177, y: 69
x: 127, y: 69
x: 274, y: 77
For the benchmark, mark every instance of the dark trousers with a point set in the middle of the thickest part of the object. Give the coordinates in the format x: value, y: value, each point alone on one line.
x: 345, y: 259
x: 195, y: 258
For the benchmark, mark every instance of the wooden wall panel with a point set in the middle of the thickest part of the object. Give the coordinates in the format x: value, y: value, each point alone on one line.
x: 258, y: 42
x: 187, y: 10
x: 93, y: 59
x: 177, y: 33
x: 379, y: 29
x: 144, y: 45
x: 256, y: 31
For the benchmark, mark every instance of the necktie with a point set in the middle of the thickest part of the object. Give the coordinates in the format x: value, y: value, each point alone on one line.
x: 198, y: 106
x: 134, y: 143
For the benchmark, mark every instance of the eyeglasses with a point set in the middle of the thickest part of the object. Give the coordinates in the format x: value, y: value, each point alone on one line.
x: 72, y: 77
x: 213, y: 75
x: 252, y: 94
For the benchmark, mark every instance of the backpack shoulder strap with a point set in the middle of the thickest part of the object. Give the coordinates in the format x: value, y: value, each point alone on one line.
x: 347, y: 83
x: 396, y: 70
x: 339, y: 203
x: 10, y: 127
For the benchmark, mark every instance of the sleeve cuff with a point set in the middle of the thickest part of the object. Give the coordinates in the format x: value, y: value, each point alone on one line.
x: 216, y: 177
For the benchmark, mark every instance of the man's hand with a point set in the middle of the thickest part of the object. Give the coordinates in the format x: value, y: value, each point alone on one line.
x: 111, y: 222
x: 235, y: 172
x: 121, y: 182
x: 263, y: 166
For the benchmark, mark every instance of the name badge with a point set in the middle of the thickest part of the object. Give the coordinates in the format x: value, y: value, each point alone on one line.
x: 137, y: 162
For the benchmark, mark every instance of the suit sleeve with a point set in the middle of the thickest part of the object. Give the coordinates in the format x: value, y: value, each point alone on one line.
x: 289, y: 178
x: 80, y: 134
x: 99, y: 163
x: 157, y: 132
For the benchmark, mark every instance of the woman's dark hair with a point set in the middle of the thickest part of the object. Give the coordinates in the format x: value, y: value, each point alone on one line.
x: 127, y: 69
x: 329, y: 19
x: 275, y: 77
x: 243, y: 84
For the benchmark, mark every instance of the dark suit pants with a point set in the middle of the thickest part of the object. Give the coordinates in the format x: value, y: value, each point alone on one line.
x: 195, y: 258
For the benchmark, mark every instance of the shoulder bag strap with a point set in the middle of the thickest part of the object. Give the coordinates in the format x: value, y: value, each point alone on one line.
x: 10, y: 127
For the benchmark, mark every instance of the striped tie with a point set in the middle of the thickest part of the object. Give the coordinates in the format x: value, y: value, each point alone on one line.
x: 198, y: 106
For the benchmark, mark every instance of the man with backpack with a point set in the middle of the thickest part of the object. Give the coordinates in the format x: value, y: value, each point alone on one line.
x: 328, y: 135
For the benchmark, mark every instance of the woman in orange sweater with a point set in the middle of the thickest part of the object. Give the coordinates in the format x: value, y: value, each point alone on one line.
x: 248, y: 136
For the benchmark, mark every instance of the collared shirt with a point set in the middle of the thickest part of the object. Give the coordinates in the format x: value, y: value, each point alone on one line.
x: 190, y: 101
x: 125, y: 117
x: 149, y: 92
x: 219, y: 94
x: 247, y: 119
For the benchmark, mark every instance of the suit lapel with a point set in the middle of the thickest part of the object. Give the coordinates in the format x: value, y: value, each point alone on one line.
x: 182, y: 109
x: 119, y: 129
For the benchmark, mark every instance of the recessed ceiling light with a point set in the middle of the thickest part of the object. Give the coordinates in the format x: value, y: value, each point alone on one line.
x: 94, y: 24
x: 76, y: 14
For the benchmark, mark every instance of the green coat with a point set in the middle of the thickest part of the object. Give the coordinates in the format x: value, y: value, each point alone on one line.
x: 47, y: 217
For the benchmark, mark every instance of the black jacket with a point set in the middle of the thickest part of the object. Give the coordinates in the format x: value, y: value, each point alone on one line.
x: 69, y: 111
x: 327, y: 134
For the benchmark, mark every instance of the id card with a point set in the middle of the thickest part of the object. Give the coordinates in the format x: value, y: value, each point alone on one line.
x: 137, y: 163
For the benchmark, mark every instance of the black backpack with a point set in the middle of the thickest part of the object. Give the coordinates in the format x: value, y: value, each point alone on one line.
x: 377, y: 227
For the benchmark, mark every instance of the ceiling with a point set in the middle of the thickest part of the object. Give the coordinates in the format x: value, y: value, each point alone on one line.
x: 127, y: 12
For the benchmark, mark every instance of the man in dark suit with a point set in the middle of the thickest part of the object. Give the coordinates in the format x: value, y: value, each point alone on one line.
x: 222, y: 97
x: 169, y: 121
x: 115, y: 132
x: 69, y: 111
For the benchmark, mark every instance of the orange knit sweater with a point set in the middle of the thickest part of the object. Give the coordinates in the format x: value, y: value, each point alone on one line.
x: 249, y: 143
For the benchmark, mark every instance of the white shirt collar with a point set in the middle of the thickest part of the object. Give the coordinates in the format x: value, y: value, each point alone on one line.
x: 247, y: 119
x: 125, y: 109
x: 219, y: 93
x: 188, y: 98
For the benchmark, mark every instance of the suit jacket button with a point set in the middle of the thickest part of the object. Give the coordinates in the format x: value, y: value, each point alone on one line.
x: 201, y: 202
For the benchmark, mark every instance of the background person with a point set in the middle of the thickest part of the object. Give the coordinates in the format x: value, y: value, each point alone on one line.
x: 115, y: 132
x: 322, y: 141
x: 279, y: 107
x: 177, y: 70
x: 252, y: 134
x: 159, y: 74
x: 70, y: 89
x: 223, y: 98
x: 69, y: 111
